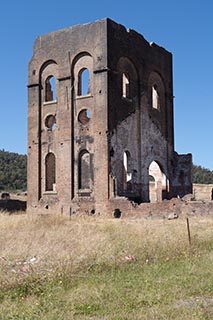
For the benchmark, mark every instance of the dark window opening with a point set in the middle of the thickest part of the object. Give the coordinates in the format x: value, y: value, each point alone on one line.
x: 84, y: 173
x: 50, y: 172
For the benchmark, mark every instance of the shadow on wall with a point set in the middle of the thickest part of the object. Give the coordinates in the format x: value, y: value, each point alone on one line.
x: 12, y: 206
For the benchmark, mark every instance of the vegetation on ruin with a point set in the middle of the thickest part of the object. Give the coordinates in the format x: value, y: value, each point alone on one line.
x: 52, y: 267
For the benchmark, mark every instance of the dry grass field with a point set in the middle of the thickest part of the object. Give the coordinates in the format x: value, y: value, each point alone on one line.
x: 53, y: 267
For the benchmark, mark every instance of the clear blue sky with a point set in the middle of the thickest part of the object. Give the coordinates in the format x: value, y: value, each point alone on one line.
x: 183, y: 27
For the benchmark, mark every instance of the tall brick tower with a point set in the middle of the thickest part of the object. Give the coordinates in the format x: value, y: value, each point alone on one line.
x: 100, y: 121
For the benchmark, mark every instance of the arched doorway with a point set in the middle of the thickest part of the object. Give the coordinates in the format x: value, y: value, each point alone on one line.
x: 158, y: 183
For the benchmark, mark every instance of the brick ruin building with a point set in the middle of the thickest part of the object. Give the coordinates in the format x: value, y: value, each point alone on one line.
x: 100, y: 122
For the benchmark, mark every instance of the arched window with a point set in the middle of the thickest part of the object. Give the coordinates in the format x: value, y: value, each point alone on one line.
x: 50, y: 89
x: 83, y: 82
x: 84, y: 170
x: 156, y: 89
x: 128, y: 79
x: 125, y: 80
x: 50, y: 172
x: 155, y: 98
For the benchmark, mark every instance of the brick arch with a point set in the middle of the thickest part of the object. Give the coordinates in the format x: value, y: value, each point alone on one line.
x: 82, y: 62
x: 45, y: 65
x: 48, y: 90
x: 49, y: 68
x: 160, y: 189
x: 156, y: 91
x: 128, y: 77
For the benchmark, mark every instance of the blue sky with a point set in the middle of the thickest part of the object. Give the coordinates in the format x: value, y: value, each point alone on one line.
x: 183, y: 27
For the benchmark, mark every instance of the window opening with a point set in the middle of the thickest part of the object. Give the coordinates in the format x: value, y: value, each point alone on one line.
x: 50, y: 171
x: 50, y: 122
x: 155, y: 98
x: 84, y: 170
x: 50, y: 89
x: 84, y: 116
x: 126, y: 164
x: 83, y: 82
x: 125, y: 80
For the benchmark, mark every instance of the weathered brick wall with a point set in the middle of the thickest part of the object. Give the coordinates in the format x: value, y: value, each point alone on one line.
x: 76, y: 162
x: 203, y: 192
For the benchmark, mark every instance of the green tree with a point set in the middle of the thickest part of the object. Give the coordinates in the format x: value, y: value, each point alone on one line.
x: 201, y: 175
x: 13, y: 171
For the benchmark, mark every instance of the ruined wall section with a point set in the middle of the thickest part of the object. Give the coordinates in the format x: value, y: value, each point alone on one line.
x: 181, y: 173
x: 149, y: 135
x: 56, y: 137
x: 86, y: 147
x: 151, y: 63
x: 123, y: 144
x: 155, y: 149
x: 203, y: 192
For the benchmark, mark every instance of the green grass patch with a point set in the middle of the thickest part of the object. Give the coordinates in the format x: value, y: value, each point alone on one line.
x: 167, y: 280
x: 131, y: 290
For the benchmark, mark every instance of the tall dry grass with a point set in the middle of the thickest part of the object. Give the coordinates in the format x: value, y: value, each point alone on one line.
x: 55, y: 239
x: 81, y: 269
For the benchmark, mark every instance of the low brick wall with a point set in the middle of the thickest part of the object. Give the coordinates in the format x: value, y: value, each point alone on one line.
x: 12, y: 205
x: 161, y: 209
x: 203, y: 191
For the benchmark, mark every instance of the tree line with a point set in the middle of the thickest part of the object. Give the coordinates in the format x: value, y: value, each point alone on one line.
x: 202, y: 175
x: 13, y: 172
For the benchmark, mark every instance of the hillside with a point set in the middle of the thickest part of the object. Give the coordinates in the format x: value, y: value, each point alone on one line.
x: 13, y: 171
